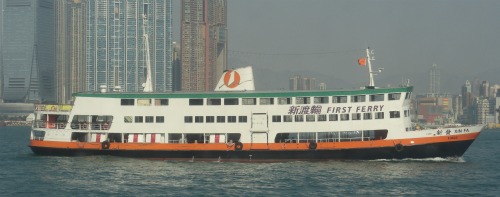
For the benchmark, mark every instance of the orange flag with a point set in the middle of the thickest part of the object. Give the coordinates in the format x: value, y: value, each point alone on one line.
x: 362, y: 61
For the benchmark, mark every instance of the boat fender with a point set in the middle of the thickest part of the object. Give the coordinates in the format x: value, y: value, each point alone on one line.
x: 313, y: 145
x: 238, y: 146
x: 398, y: 147
x: 105, y: 145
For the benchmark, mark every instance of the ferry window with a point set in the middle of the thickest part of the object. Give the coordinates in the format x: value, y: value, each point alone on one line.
x: 299, y: 118
x: 231, y: 101
x: 160, y: 119
x: 231, y: 119
x: 127, y: 119
x: 233, y: 137
x: 358, y: 98
x: 377, y: 97
x: 367, y: 116
x: 407, y: 113
x: 333, y: 117
x: 266, y: 101
x: 284, y: 101
x: 175, y: 138
x: 127, y: 102
x: 210, y: 119
x: 195, y: 101
x: 379, y: 115
x: 408, y: 95
x: 302, y: 100
x: 143, y: 102
x: 339, y: 99
x: 198, y: 119
x: 328, y: 136
x: 310, y: 118
x: 394, y: 96
x: 214, y: 101
x: 221, y: 119
x: 277, y: 118
x: 248, y: 101
x: 394, y: 114
x: 161, y: 102
x: 150, y: 119
x: 286, y: 138
x: 322, y: 117
x: 188, y: 119
x: 318, y: 100
x: 307, y: 137
x: 344, y: 117
x: 139, y: 119
x: 287, y: 118
x: 356, y: 116
x: 242, y: 119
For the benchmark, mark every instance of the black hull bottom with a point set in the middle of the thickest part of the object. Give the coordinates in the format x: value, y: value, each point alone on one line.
x: 443, y: 150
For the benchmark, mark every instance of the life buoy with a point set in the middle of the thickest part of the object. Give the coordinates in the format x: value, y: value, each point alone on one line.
x: 313, y: 145
x: 238, y: 146
x: 398, y: 147
x: 105, y: 145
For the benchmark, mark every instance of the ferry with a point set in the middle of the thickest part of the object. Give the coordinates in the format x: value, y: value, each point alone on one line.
x: 237, y: 123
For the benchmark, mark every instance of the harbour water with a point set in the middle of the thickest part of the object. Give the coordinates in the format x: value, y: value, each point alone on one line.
x: 477, y: 173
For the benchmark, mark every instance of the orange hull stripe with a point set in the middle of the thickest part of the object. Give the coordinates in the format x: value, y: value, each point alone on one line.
x: 263, y: 146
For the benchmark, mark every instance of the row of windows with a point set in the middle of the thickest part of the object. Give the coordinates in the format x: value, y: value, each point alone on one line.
x: 270, y: 101
x: 275, y: 118
x: 144, y: 119
x: 334, y: 117
x: 332, y: 136
x: 213, y: 119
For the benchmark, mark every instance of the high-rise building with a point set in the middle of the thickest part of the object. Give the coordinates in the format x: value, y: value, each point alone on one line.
x: 203, y: 43
x: 467, y: 96
x: 70, y: 36
x: 435, y: 80
x: 115, y: 51
x: 298, y: 82
x: 28, y: 51
x: 484, y: 90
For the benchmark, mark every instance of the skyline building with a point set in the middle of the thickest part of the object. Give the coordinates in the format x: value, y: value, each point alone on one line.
x: 28, y: 51
x: 115, y: 51
x: 298, y: 82
x: 203, y: 43
x: 70, y: 37
x: 435, y: 80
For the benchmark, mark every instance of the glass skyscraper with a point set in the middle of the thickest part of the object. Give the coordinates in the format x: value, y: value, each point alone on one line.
x: 114, y: 48
x: 27, y: 50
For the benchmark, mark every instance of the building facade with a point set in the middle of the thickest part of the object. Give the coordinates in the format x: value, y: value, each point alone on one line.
x: 435, y: 80
x: 298, y: 82
x: 70, y: 49
x: 115, y: 51
x: 203, y: 43
x: 28, y: 51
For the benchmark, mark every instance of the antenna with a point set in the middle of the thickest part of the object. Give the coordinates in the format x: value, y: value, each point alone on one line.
x: 372, y: 73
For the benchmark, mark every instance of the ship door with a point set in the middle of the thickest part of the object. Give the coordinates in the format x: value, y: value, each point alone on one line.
x: 259, y: 131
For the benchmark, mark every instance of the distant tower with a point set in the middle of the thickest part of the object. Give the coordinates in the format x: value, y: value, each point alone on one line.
x: 203, y: 43
x: 484, y: 90
x: 435, y: 80
x: 467, y: 94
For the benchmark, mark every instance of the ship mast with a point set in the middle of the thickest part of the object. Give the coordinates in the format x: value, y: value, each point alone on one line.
x: 148, y: 86
x: 372, y: 73
x: 368, y: 59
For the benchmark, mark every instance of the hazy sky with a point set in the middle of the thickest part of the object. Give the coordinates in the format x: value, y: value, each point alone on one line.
x: 324, y: 38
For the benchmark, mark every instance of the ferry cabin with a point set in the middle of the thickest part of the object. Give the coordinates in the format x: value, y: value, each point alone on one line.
x: 256, y: 119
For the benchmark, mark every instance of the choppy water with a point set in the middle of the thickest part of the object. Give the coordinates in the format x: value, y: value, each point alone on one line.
x: 477, y: 173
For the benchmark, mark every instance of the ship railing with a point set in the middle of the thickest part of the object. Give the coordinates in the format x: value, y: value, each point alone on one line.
x: 90, y: 126
x: 49, y: 125
x: 38, y: 138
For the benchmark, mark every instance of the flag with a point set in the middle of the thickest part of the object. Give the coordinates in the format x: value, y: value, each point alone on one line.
x: 362, y: 61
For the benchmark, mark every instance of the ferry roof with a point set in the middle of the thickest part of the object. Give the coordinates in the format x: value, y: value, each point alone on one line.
x: 243, y: 94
